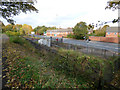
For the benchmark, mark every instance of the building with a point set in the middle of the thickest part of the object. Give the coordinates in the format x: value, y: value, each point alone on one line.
x: 59, y: 32
x: 112, y: 35
x: 113, y: 32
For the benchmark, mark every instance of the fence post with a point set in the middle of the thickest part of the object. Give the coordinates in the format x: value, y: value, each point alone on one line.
x: 50, y: 41
x: 62, y: 39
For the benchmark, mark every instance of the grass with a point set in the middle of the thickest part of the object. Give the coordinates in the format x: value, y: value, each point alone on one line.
x: 42, y: 69
x: 17, y: 39
x: 31, y: 70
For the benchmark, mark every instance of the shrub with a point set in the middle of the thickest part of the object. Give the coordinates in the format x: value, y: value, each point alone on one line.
x: 10, y: 33
x: 100, y: 33
x: 70, y: 36
x: 16, y: 39
x: 81, y: 37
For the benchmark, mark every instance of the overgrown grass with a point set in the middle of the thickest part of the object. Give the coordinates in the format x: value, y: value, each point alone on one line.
x: 21, y: 41
x: 28, y: 69
x: 17, y: 39
x: 42, y: 69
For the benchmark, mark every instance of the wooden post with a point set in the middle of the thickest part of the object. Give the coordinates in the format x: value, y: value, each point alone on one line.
x: 50, y: 41
x: 62, y: 39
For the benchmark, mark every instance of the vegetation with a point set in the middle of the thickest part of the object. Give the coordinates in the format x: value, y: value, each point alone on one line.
x: 17, y: 29
x: 28, y: 67
x: 70, y: 36
x: 2, y: 26
x: 100, y: 31
x: 13, y: 8
x: 16, y: 39
x: 41, y: 29
x: 11, y: 33
x: 114, y: 5
x: 26, y: 29
x: 8, y: 27
x: 90, y: 27
x: 80, y: 30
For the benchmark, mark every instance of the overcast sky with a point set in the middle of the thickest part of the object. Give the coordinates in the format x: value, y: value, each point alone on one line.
x: 67, y: 13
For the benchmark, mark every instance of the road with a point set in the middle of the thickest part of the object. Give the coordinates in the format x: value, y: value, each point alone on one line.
x: 100, y: 45
x: 95, y: 44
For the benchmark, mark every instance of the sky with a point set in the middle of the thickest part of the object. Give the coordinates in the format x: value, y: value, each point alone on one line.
x: 66, y: 13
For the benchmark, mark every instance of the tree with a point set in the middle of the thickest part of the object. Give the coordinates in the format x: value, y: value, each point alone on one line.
x: 22, y: 32
x: 40, y: 29
x: 2, y: 26
x: 114, y: 4
x: 80, y: 30
x: 27, y: 29
x: 8, y: 27
x: 90, y: 26
x: 10, y: 8
x: 105, y: 27
x: 101, y: 31
x: 52, y: 28
x: 17, y: 27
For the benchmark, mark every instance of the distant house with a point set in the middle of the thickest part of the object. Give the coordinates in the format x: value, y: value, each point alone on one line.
x: 112, y: 34
x: 59, y: 32
x: 112, y: 31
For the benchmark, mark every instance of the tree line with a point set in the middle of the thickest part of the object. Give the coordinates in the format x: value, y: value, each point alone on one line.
x: 24, y: 29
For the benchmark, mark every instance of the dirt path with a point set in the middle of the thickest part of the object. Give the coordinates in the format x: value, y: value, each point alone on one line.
x: 3, y: 39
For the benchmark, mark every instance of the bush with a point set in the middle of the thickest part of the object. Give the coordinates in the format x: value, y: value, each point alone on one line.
x: 70, y: 36
x: 100, y: 33
x: 10, y: 33
x: 78, y: 37
x: 81, y: 37
x: 16, y: 39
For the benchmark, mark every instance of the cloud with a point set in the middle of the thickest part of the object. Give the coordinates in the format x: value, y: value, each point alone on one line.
x: 67, y: 13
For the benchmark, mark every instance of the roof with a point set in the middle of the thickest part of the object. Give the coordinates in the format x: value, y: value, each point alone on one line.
x: 113, y: 29
x: 60, y: 30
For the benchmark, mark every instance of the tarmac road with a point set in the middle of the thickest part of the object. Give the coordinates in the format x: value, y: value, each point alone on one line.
x: 100, y: 45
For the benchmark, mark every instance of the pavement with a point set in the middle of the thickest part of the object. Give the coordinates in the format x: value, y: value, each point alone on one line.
x: 114, y: 47
x: 3, y: 38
